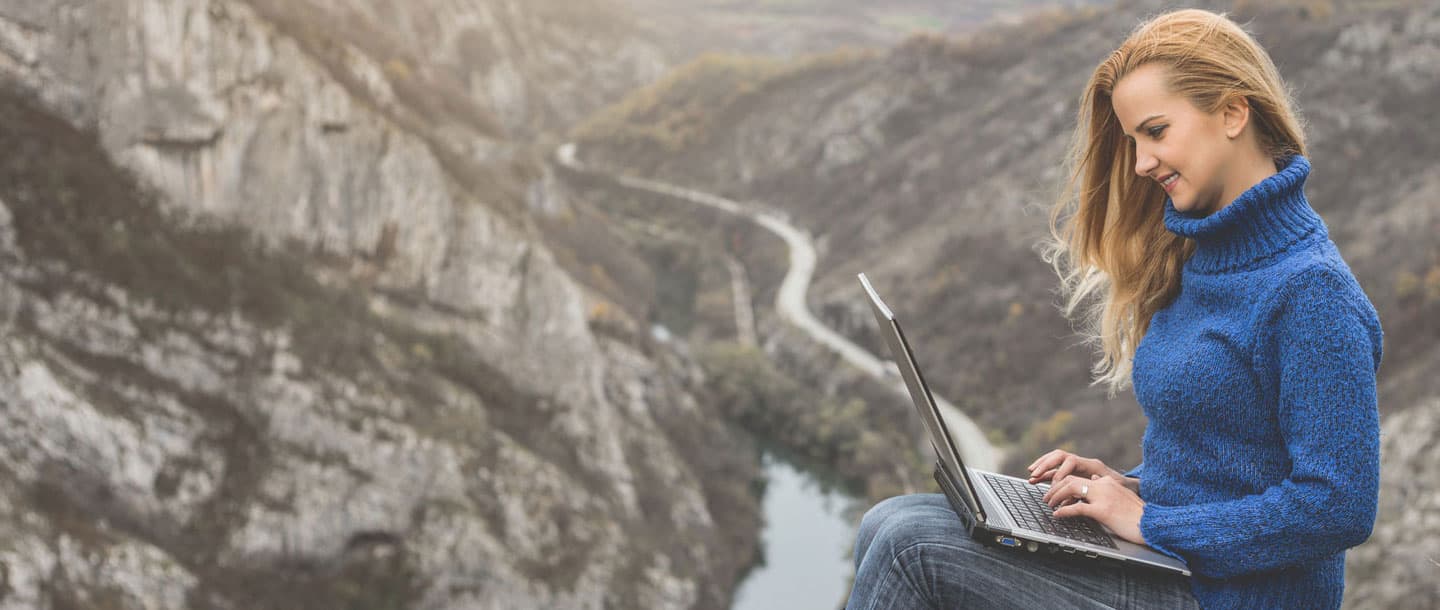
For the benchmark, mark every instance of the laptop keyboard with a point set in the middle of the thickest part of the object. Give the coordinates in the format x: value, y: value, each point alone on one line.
x: 1027, y: 505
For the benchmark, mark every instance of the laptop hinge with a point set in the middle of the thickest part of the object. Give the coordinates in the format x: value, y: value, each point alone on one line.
x: 970, y: 518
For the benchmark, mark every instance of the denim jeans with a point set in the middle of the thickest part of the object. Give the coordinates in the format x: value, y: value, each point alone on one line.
x: 913, y: 552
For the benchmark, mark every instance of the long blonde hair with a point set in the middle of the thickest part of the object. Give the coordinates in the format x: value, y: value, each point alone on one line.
x: 1108, y: 237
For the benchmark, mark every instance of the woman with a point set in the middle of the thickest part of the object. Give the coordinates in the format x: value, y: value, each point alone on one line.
x: 1251, y: 348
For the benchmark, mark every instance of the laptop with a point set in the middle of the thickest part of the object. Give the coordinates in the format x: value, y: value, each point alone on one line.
x: 996, y: 509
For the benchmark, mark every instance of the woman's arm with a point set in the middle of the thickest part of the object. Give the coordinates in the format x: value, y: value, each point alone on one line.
x: 1132, y: 477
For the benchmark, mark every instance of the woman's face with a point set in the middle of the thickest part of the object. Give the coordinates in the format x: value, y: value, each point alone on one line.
x: 1188, y: 151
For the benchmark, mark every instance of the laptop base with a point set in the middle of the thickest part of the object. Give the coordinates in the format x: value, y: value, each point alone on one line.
x: 1004, y: 540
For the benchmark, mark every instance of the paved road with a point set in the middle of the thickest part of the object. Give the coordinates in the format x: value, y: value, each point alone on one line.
x: 975, y: 448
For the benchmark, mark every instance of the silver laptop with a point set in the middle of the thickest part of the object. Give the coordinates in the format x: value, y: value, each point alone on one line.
x: 997, y: 509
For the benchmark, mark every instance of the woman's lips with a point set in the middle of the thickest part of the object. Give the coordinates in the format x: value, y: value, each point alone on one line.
x: 1169, y: 182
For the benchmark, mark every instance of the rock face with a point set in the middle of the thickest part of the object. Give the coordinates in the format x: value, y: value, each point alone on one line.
x: 1397, y: 567
x: 320, y: 359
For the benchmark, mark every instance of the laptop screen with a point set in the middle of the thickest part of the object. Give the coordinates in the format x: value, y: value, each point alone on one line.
x: 940, y: 437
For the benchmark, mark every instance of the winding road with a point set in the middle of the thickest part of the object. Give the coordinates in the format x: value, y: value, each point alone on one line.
x: 975, y: 448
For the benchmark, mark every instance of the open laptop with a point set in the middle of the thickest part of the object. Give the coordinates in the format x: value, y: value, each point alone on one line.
x: 997, y: 509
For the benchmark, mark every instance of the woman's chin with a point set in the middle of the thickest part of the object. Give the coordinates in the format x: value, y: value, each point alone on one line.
x: 1185, y: 205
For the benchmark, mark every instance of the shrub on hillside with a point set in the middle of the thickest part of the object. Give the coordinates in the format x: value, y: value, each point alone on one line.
x: 680, y: 110
x: 842, y: 436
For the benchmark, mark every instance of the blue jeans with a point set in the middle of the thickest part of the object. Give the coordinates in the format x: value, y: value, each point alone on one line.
x: 913, y: 552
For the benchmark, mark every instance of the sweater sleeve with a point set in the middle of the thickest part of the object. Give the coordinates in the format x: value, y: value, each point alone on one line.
x: 1320, y: 345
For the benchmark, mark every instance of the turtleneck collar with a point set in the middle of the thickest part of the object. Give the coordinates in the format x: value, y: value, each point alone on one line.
x: 1260, y: 225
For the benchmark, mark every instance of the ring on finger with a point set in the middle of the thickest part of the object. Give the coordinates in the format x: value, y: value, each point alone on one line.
x: 1084, y: 491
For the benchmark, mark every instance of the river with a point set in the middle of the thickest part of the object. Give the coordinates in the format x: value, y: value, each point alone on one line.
x: 807, y: 540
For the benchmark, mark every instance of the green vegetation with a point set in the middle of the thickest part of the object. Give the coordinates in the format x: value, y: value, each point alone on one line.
x: 658, y: 260
x: 594, y: 252
x: 840, y: 436
x: 851, y: 444
x: 1410, y: 285
x: 911, y: 22
x: 688, y: 105
x: 331, y: 36
x: 997, y: 47
x: 1054, y: 432
x: 384, y: 577
x: 1316, y: 9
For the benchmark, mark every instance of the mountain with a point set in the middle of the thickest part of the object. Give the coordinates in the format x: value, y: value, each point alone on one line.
x: 688, y: 28
x: 932, y: 166
x: 280, y: 332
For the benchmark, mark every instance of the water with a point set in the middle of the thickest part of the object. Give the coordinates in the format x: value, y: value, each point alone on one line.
x: 807, y: 541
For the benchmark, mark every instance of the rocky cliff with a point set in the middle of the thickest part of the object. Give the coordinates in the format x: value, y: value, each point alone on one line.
x: 279, y: 333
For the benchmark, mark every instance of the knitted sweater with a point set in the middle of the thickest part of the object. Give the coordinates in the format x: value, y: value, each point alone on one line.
x: 1261, y: 455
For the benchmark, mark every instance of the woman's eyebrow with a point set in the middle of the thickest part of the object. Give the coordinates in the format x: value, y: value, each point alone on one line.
x: 1141, y: 126
x: 1152, y: 117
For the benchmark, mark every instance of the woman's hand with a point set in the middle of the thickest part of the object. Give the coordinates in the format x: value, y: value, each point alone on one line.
x: 1100, y: 498
x: 1058, y: 464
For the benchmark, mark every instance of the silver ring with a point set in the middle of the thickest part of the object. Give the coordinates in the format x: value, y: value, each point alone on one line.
x: 1084, y: 490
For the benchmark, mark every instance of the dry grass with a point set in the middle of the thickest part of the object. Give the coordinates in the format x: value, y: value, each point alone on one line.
x: 682, y: 108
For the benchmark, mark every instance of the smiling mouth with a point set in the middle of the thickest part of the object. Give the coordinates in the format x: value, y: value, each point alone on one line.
x: 1169, y: 182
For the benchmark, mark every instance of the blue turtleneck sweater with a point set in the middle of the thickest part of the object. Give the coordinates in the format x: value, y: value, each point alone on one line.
x: 1261, y: 456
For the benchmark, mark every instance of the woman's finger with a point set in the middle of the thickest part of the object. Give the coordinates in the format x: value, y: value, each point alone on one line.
x: 1083, y: 491
x: 1048, y: 475
x: 1071, y: 464
x: 1048, y: 464
x: 1065, y: 490
x: 1055, y: 486
x: 1053, y: 455
x: 1077, y: 509
x: 1066, y: 468
x: 1037, y: 461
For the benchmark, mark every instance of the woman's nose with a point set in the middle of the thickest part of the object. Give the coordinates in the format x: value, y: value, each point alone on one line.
x: 1145, y: 163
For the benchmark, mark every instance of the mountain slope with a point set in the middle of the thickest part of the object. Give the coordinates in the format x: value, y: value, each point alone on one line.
x: 279, y: 318
x: 932, y: 168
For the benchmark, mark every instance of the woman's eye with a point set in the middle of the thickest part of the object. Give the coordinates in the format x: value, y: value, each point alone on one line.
x: 1155, y: 131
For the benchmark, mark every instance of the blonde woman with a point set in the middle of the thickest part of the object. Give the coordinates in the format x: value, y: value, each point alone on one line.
x: 1213, y: 287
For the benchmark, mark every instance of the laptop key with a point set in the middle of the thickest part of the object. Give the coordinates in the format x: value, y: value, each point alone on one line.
x: 1026, y: 504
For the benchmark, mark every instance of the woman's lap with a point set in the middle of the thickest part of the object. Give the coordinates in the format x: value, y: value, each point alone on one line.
x: 913, y: 552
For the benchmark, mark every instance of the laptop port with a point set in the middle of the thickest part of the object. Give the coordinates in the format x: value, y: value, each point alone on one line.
x: 1007, y: 541
x: 1032, y: 546
x: 1068, y: 550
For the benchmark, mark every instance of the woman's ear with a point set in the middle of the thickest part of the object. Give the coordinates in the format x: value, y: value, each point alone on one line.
x: 1237, y: 115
